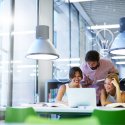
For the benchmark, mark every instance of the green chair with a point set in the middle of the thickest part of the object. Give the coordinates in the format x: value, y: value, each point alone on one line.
x: 18, y: 115
x: 110, y: 117
x: 77, y: 121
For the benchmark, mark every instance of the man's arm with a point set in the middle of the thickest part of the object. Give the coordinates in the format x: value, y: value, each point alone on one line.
x: 112, y: 68
x: 87, y: 81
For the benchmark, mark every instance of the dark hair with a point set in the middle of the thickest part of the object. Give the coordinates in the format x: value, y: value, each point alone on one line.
x: 92, y: 55
x: 73, y: 70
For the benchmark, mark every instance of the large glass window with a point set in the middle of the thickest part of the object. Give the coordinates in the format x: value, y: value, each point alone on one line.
x: 75, y: 43
x: 61, y: 39
x: 24, y: 69
x: 71, y: 38
x: 17, y: 73
x: 5, y: 21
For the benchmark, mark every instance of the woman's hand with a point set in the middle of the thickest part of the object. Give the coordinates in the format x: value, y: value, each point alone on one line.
x: 118, y: 93
x: 115, y: 83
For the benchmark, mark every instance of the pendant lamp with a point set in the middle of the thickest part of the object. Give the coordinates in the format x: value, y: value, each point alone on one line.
x: 42, y: 47
x: 118, y: 46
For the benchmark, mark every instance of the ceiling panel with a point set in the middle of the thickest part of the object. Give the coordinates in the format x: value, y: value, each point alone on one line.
x: 104, y: 11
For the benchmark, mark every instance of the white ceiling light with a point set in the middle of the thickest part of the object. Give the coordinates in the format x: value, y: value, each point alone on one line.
x: 42, y: 48
x: 74, y: 64
x: 103, y: 26
x: 67, y: 59
x: 71, y: 1
x: 120, y: 63
x: 118, y: 57
x: 118, y: 46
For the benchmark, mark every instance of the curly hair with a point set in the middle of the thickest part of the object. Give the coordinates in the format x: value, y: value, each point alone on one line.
x: 92, y: 55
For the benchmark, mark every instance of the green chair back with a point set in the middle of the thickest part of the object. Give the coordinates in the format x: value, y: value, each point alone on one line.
x: 18, y: 115
x: 110, y: 117
x: 77, y: 121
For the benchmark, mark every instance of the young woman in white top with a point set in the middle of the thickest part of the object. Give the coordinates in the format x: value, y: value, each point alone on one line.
x: 111, y: 92
x: 75, y: 76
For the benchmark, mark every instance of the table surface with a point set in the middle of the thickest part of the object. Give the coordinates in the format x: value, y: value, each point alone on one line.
x: 2, y: 108
x: 64, y: 109
x: 63, y: 112
x: 54, y: 108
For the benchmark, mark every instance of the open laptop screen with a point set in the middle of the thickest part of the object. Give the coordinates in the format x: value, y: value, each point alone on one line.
x: 81, y: 97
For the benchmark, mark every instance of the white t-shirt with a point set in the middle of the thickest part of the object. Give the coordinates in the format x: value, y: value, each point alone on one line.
x: 111, y: 99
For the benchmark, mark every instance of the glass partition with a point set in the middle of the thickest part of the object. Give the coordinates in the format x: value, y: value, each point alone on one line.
x: 24, y: 70
x: 16, y: 72
x: 5, y: 21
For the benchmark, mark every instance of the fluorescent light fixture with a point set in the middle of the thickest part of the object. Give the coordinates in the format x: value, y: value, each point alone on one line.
x: 74, y: 64
x: 118, y: 57
x: 120, y: 63
x: 67, y: 59
x: 42, y: 47
x: 103, y: 26
x: 24, y: 32
x: 118, y: 46
x: 26, y: 66
x: 72, y: 1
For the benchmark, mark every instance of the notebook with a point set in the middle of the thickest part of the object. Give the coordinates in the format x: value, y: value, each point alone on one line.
x: 81, y: 97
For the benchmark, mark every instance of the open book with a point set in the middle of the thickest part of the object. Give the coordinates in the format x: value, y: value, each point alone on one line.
x: 116, y: 105
x: 100, y: 81
x: 45, y: 104
x: 53, y: 104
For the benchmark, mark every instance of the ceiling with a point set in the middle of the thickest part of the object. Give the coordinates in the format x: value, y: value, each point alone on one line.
x: 101, y: 12
x: 104, y: 11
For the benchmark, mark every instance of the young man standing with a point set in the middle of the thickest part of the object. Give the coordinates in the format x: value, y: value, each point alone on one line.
x: 96, y: 69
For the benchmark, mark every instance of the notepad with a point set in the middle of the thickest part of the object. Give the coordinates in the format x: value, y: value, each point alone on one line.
x: 116, y: 105
x: 81, y: 97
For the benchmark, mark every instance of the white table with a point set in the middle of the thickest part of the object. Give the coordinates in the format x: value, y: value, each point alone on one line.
x: 63, y: 111
x: 2, y: 108
x: 67, y: 111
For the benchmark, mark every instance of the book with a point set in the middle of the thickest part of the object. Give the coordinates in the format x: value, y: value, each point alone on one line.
x: 100, y: 81
x: 45, y: 104
x: 53, y: 104
x: 116, y: 105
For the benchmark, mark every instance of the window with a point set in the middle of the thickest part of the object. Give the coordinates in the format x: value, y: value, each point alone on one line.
x: 17, y: 73
x: 61, y: 40
x: 71, y: 39
x: 4, y: 50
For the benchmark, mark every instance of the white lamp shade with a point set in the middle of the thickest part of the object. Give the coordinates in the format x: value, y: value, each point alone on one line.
x: 118, y: 46
x: 42, y: 49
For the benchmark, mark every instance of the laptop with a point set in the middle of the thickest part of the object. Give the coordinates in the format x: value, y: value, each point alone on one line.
x: 81, y: 97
